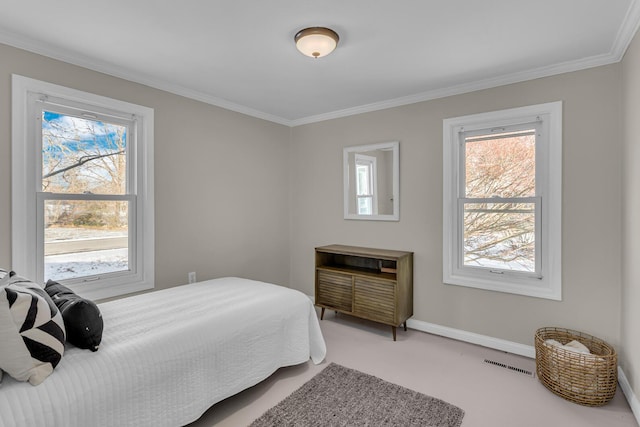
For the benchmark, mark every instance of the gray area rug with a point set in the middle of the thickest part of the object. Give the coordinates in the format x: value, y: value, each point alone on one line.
x: 340, y: 396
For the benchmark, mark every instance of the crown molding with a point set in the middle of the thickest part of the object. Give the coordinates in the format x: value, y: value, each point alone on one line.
x: 506, y: 79
x: 623, y: 38
x: 67, y: 56
x: 627, y: 30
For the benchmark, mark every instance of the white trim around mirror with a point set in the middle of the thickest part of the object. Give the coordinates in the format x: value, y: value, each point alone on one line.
x: 350, y: 193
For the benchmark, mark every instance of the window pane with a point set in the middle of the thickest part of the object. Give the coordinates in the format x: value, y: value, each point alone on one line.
x: 365, y: 205
x: 85, y: 238
x: 501, y: 165
x: 81, y: 155
x: 363, y: 186
x: 500, y: 235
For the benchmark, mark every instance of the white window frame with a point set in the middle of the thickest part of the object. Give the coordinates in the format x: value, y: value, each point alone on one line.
x: 27, y: 214
x: 370, y: 163
x: 547, y: 282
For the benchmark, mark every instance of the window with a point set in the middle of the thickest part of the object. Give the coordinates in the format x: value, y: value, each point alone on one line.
x: 366, y: 185
x: 502, y: 201
x: 82, y: 189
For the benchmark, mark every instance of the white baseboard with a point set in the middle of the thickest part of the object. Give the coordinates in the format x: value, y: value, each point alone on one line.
x: 629, y: 394
x: 511, y: 347
x: 470, y: 337
x: 515, y: 348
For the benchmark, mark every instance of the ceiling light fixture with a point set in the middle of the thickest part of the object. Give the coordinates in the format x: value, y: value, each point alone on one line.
x: 316, y: 41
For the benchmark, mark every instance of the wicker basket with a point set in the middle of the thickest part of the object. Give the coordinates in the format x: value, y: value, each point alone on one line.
x: 586, y: 379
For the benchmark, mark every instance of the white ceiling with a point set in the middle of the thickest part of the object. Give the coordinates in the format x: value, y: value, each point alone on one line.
x: 240, y: 54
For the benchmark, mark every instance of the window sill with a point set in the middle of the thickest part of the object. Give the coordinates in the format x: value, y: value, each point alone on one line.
x: 528, y: 287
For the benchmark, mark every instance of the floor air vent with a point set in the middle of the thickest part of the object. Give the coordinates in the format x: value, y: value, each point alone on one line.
x: 509, y: 367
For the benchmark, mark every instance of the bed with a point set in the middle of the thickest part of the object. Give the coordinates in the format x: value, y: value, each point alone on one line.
x: 169, y: 355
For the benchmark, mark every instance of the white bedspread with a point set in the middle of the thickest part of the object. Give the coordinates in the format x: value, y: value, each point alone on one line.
x: 167, y: 356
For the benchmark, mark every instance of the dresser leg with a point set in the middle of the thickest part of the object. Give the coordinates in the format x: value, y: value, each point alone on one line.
x: 405, y: 326
x: 393, y: 329
x: 322, y: 313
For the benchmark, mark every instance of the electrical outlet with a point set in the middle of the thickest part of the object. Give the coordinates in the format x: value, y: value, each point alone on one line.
x: 192, y: 277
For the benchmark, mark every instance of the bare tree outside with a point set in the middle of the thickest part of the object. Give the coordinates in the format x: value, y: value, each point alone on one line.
x: 83, y: 156
x: 500, y: 234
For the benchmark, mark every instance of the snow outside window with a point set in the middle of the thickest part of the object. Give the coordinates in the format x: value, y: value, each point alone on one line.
x: 502, y: 201
x: 82, y: 194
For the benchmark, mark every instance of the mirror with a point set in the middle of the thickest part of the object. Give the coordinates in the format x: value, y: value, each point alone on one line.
x: 372, y: 182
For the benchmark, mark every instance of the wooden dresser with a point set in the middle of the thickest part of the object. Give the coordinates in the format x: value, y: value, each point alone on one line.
x: 374, y: 284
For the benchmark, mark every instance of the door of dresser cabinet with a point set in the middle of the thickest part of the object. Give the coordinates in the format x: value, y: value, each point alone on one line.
x: 375, y: 299
x: 335, y: 290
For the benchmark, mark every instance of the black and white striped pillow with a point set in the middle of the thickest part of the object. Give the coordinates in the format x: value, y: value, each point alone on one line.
x: 3, y: 273
x: 31, y: 330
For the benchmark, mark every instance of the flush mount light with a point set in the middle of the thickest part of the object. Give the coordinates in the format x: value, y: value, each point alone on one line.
x: 316, y: 41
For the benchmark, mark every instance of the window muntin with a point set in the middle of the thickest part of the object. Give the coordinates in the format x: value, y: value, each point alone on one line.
x: 502, y: 225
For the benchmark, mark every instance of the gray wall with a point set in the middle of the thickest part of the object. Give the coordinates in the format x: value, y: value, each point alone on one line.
x: 237, y: 195
x: 221, y: 178
x: 630, y: 350
x: 591, y: 205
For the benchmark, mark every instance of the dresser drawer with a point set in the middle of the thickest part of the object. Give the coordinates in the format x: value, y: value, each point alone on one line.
x: 334, y: 290
x: 375, y: 299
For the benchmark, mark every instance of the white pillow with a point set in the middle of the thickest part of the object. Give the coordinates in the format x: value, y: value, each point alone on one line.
x: 553, y: 342
x: 31, y: 330
x: 577, y: 346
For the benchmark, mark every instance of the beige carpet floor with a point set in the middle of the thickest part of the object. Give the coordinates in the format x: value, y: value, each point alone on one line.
x: 453, y: 371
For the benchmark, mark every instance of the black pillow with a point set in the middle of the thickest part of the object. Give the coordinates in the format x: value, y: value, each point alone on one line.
x: 4, y: 272
x: 82, y: 318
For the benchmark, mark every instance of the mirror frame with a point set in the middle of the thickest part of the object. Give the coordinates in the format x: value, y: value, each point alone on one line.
x: 394, y: 146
